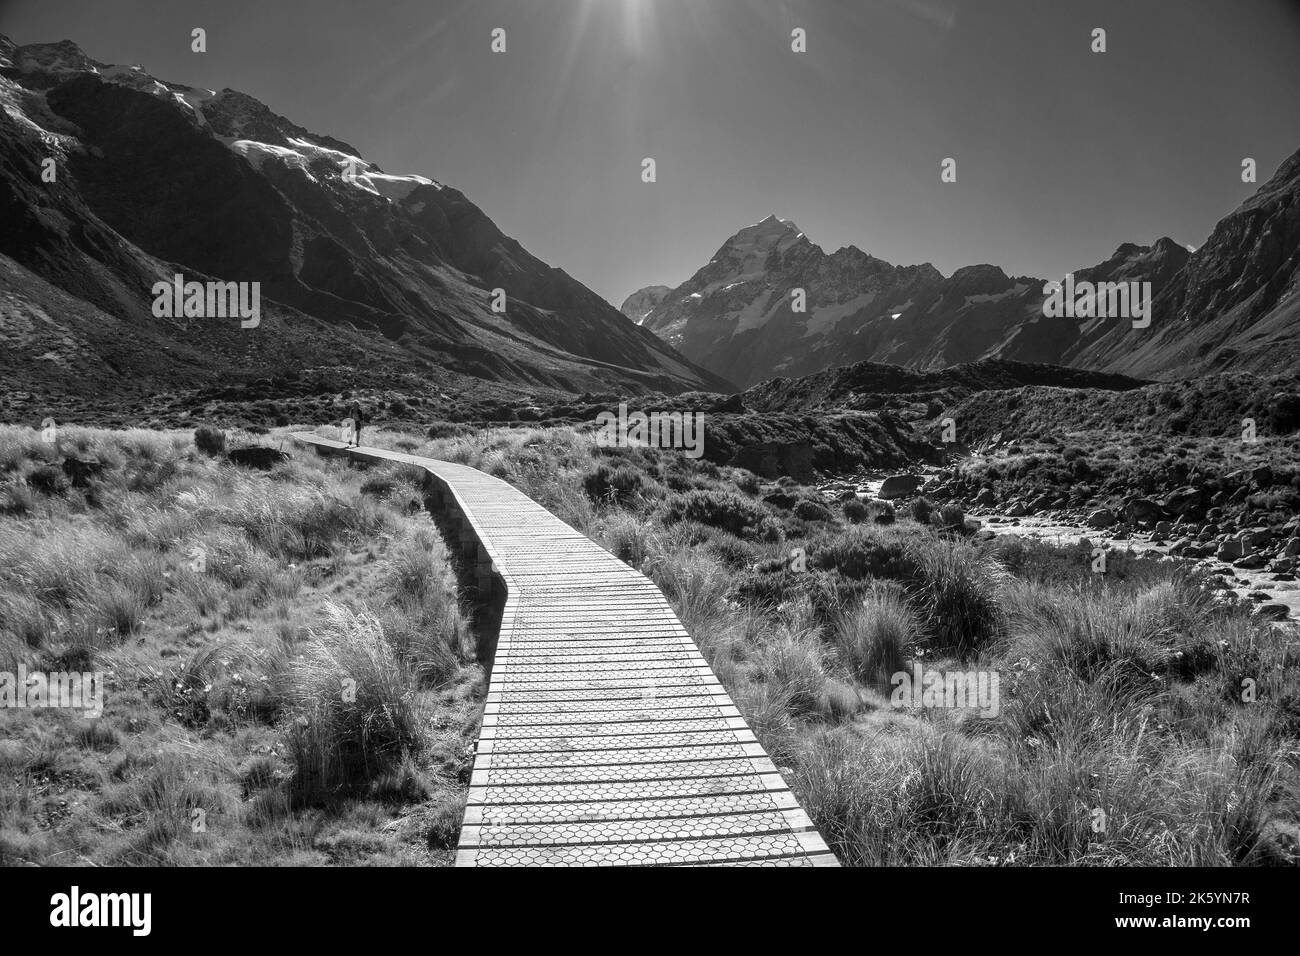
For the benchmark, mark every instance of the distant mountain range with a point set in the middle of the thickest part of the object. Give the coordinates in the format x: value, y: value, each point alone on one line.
x: 358, y: 268
x: 1230, y: 305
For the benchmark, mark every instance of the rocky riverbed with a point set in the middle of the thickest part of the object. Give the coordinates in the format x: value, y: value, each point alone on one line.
x: 1255, y: 559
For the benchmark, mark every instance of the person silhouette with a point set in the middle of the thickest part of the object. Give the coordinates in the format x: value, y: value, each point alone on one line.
x: 356, y: 415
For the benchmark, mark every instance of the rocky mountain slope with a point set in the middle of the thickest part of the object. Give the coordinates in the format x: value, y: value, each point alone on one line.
x: 1229, y: 305
x: 643, y: 301
x: 1234, y: 306
x: 357, y: 267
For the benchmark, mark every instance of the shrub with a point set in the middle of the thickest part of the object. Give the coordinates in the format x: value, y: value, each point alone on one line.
x: 723, y: 509
x: 958, y: 590
x: 864, y: 551
x: 748, y: 482
x: 875, y: 634
x: 949, y: 518
x: 209, y: 440
x: 618, y: 484
x: 922, y: 509
x: 812, y: 511
x: 856, y: 511
x: 48, y: 479
x: 792, y: 665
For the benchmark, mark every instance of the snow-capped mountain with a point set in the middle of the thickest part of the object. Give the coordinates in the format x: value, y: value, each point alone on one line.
x: 1231, y: 304
x: 356, y: 265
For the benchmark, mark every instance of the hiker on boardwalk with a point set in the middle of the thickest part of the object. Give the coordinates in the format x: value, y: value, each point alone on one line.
x: 355, y: 415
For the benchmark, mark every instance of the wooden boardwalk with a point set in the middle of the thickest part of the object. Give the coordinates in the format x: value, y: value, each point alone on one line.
x: 606, y: 738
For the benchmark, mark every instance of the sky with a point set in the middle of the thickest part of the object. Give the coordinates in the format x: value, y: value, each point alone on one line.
x: 1062, y: 154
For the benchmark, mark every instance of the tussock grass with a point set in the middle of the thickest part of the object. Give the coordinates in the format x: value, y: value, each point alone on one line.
x: 959, y: 595
x: 245, y: 596
x: 357, y: 718
x: 1121, y: 695
x: 877, y: 634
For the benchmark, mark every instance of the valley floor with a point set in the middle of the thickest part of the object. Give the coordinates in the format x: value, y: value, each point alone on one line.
x: 312, y: 685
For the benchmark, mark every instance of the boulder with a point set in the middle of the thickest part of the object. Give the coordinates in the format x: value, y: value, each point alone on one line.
x: 1185, y: 501
x: 1272, y: 611
x: 1142, y: 510
x: 1101, y: 518
x: 986, y: 498
x: 1230, y: 550
x: 900, y: 486
x: 1257, y: 537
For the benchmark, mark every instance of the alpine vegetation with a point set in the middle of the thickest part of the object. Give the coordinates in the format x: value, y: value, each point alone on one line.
x: 683, y: 430
x: 208, y: 300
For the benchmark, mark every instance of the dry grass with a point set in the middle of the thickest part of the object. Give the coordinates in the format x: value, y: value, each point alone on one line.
x: 228, y: 609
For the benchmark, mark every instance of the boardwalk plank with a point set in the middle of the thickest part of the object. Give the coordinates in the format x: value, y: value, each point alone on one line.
x: 606, y: 738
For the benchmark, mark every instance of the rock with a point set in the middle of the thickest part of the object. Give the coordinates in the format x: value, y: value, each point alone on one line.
x: 780, y: 499
x: 1142, y: 510
x: 1262, y: 476
x: 986, y: 498
x: 1272, y: 611
x: 256, y: 456
x: 1162, y: 531
x: 1017, y: 510
x: 1184, y: 501
x: 1250, y: 562
x: 1042, y: 501
x: 1101, y: 518
x: 900, y: 486
x: 1257, y: 537
x: 1292, y: 548
x: 1230, y: 550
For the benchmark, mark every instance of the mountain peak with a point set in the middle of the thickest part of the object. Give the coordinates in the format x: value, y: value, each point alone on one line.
x: 761, y: 238
x: 61, y: 56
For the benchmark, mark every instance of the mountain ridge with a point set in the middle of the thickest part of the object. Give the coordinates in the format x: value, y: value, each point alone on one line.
x: 735, y: 315
x: 155, y: 178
